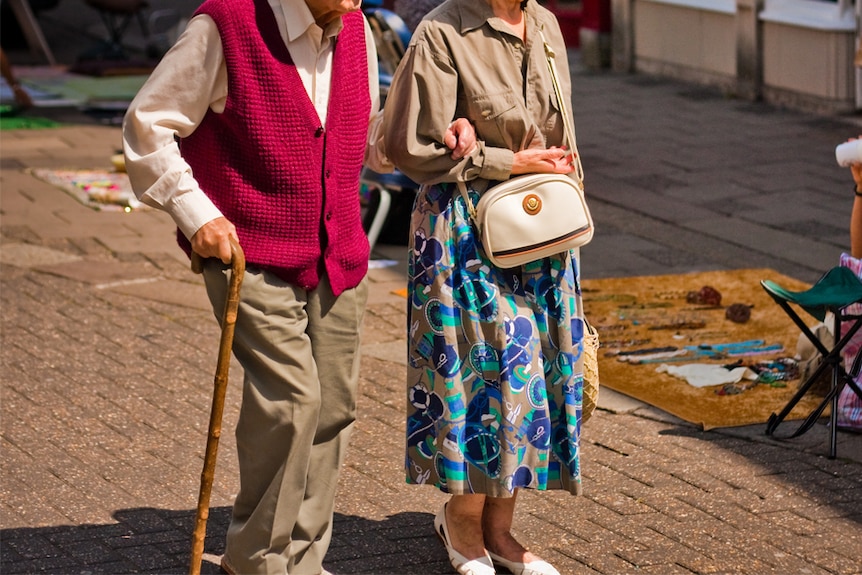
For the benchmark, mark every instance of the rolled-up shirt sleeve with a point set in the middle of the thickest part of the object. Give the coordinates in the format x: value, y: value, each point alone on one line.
x: 190, y: 79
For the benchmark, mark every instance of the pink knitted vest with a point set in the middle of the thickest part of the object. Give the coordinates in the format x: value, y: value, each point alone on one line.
x: 290, y: 186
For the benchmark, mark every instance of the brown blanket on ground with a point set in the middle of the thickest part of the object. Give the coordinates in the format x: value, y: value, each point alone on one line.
x: 639, y: 313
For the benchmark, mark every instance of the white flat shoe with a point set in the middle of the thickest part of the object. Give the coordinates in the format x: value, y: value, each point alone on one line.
x: 464, y: 566
x: 537, y: 567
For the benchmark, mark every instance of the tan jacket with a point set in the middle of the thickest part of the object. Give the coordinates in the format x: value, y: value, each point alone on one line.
x: 464, y: 62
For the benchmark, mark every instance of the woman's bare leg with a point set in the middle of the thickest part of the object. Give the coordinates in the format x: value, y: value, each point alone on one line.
x: 497, y: 530
x: 464, y: 517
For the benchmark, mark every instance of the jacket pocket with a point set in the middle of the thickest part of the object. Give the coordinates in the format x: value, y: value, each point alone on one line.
x: 496, y: 117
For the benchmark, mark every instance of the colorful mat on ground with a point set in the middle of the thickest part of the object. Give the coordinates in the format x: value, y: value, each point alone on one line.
x: 25, y: 123
x: 648, y: 322
x: 98, y: 189
x: 53, y: 87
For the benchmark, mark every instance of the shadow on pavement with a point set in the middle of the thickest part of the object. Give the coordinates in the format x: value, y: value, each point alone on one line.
x: 149, y: 540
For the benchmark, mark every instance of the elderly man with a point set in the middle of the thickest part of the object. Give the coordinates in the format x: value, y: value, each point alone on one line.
x: 254, y: 128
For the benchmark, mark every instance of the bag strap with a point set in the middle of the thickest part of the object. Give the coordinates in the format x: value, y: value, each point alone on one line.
x: 471, y: 209
x: 568, y: 128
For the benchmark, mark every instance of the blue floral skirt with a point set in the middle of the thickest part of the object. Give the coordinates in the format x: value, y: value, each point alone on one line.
x: 495, y: 375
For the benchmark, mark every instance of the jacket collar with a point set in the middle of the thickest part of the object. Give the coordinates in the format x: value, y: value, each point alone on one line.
x: 475, y: 13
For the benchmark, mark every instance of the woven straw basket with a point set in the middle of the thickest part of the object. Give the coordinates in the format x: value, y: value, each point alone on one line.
x: 591, y: 371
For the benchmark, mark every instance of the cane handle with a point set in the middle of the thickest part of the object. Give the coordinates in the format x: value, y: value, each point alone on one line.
x: 197, y: 263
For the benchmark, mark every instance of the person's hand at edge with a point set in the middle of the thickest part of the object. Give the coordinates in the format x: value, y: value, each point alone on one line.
x: 22, y: 97
x: 856, y: 171
x: 856, y: 212
x: 460, y: 137
x: 212, y: 240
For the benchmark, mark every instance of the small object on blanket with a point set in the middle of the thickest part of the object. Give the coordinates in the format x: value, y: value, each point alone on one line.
x: 647, y: 305
x: 738, y: 312
x: 736, y: 349
x: 707, y: 295
x: 707, y: 374
x: 119, y: 162
x: 621, y: 343
x: 731, y: 345
x: 736, y: 388
x: 772, y: 373
x: 644, y: 351
x: 98, y: 189
x: 654, y: 357
x: 680, y: 324
x: 610, y: 327
x: 776, y: 372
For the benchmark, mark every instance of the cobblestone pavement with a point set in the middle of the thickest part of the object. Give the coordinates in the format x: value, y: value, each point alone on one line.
x: 109, y: 348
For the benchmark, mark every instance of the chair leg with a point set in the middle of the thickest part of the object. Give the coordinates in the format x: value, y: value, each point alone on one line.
x: 379, y: 216
x: 840, y: 379
x: 833, y: 422
x: 835, y: 390
x: 832, y: 359
x: 832, y: 395
x: 844, y: 379
x: 776, y: 419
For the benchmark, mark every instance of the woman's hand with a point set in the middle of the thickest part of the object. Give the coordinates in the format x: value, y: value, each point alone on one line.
x: 553, y: 160
x: 212, y: 240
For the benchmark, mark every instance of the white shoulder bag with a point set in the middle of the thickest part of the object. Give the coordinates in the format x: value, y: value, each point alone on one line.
x: 534, y: 216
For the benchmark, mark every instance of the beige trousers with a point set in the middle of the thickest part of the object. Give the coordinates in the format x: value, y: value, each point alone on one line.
x: 300, y: 354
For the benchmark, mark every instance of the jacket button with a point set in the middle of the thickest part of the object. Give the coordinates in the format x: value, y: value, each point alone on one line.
x: 318, y: 132
x: 328, y: 216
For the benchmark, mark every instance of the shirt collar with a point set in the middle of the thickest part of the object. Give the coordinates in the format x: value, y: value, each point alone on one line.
x: 298, y: 19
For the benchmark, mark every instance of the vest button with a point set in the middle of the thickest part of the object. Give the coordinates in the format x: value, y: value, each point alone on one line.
x: 328, y: 216
x: 318, y: 132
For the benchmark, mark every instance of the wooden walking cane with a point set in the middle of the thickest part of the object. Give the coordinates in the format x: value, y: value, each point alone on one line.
x: 219, y: 390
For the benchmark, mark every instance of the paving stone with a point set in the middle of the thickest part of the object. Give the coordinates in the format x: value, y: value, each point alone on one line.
x: 598, y: 559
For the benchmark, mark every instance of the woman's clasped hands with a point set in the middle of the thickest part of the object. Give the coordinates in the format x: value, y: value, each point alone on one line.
x: 553, y: 160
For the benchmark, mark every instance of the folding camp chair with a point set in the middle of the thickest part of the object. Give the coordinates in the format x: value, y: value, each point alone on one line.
x: 831, y: 294
x: 117, y: 15
x: 391, y: 37
x: 383, y: 187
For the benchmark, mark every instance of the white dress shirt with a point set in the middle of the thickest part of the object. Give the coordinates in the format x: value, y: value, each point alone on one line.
x: 192, y: 79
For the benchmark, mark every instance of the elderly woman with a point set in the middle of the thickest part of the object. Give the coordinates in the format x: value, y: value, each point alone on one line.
x: 495, y: 371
